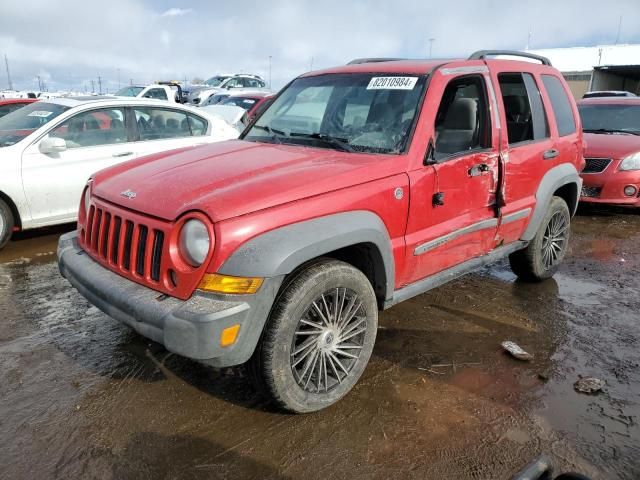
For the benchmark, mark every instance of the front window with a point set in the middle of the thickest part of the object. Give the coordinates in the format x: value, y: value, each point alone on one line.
x: 215, y: 81
x: 610, y: 118
x: 90, y: 129
x: 18, y: 124
x: 372, y: 113
x: 129, y: 91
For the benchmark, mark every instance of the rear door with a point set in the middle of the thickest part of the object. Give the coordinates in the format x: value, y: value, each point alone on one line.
x: 529, y: 143
x: 53, y: 183
x: 452, y: 210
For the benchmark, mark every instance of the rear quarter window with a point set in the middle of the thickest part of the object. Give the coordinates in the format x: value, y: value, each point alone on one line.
x: 560, y: 104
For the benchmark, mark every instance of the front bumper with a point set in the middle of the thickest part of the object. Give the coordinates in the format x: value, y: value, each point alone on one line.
x: 191, y: 328
x: 608, y: 187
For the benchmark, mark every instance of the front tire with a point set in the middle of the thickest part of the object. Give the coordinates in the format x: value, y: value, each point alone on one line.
x: 7, y: 223
x: 542, y: 257
x: 318, y: 338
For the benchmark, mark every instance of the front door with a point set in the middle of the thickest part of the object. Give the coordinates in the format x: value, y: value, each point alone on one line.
x: 453, y: 215
x: 53, y: 182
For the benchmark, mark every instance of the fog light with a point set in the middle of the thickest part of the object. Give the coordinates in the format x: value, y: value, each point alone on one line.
x: 229, y: 335
x: 630, y: 190
x: 212, y: 282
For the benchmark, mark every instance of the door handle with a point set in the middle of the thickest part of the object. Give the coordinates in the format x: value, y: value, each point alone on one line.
x: 549, y: 154
x: 479, y: 169
x: 122, y: 154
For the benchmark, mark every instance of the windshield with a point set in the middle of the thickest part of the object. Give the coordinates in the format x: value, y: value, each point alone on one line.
x: 349, y: 112
x: 610, y: 118
x: 246, y: 103
x: 215, y: 81
x: 17, y: 125
x: 129, y: 91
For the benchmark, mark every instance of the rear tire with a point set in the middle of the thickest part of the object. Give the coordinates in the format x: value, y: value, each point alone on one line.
x: 318, y: 338
x: 7, y: 223
x: 542, y: 257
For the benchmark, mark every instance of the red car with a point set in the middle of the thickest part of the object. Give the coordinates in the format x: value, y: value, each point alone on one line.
x: 612, y: 136
x: 253, y: 103
x: 8, y: 105
x: 359, y: 187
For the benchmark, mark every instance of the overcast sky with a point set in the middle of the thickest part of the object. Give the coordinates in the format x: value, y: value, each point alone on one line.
x: 70, y: 42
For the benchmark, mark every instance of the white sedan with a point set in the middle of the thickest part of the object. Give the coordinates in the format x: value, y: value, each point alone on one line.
x: 49, y: 148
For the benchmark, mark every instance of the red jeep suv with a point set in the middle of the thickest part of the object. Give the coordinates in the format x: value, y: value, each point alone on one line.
x: 612, y: 137
x: 359, y: 187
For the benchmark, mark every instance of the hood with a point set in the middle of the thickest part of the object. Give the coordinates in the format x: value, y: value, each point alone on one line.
x: 614, y: 146
x: 234, y: 178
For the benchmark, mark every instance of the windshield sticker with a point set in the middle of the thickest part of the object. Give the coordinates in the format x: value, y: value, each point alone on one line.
x: 39, y: 113
x: 392, y: 83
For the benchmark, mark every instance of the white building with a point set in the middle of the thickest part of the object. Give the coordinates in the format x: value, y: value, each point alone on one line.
x: 603, y: 67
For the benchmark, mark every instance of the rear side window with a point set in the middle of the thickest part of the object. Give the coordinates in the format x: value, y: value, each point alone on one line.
x: 162, y: 123
x: 524, y: 111
x: 560, y: 104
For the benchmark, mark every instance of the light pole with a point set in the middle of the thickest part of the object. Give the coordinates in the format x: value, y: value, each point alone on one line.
x: 269, y: 71
x: 431, y: 40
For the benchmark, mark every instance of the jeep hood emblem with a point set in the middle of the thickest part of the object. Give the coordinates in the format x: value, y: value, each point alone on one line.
x: 129, y: 194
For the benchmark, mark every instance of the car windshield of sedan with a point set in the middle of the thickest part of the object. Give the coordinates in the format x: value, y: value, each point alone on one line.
x: 17, y: 125
x: 372, y: 113
x: 215, y: 81
x: 129, y: 91
x: 610, y: 118
x: 244, y: 102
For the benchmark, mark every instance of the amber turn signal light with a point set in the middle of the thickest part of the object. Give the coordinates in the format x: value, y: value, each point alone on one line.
x: 213, y: 282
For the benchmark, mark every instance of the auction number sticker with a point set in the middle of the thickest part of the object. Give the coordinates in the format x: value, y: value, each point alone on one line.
x: 39, y: 113
x: 392, y: 83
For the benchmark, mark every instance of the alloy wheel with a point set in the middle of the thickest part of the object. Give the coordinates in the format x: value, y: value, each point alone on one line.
x: 328, y: 340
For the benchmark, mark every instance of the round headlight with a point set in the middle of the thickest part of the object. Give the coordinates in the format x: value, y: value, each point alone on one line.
x: 194, y: 242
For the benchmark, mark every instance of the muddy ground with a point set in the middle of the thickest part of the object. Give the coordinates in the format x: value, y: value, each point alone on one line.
x: 82, y: 396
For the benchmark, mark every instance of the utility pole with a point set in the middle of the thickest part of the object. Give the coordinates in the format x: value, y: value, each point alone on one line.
x: 528, y: 40
x: 431, y: 40
x: 617, y: 35
x: 131, y: 81
x: 99, y: 85
x: 39, y: 83
x: 6, y: 64
x: 269, y: 71
x: 93, y: 86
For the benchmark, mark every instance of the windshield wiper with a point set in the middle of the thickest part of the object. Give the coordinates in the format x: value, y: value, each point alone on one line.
x: 339, y: 143
x: 610, y: 130
x: 276, y: 134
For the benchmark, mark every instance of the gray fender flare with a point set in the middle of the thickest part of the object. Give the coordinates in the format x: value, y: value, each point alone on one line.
x: 554, y: 179
x: 280, y: 251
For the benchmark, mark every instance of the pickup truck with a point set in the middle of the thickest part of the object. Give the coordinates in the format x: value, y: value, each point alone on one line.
x: 359, y: 187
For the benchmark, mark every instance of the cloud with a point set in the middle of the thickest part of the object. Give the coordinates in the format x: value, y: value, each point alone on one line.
x: 176, y: 12
x: 130, y: 39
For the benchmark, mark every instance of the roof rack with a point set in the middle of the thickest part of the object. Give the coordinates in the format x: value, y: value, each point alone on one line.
x: 359, y: 61
x: 482, y: 54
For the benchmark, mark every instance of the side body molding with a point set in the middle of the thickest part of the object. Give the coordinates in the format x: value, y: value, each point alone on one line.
x: 555, y: 178
x: 280, y: 251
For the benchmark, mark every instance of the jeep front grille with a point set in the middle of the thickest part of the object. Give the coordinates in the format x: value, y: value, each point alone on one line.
x: 591, y: 192
x: 136, y: 248
x: 596, y: 165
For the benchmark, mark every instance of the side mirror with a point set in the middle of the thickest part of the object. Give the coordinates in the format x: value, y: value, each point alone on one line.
x: 52, y: 145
